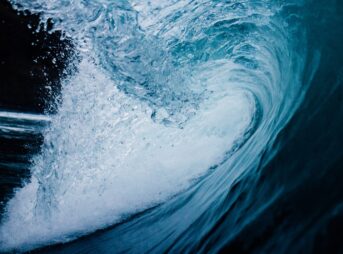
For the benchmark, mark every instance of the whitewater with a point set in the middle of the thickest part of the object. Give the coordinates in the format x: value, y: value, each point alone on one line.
x: 164, y: 104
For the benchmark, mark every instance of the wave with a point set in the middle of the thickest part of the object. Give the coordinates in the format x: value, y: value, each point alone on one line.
x: 171, y: 103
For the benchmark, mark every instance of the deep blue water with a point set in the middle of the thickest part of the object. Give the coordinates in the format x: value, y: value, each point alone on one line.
x: 185, y: 127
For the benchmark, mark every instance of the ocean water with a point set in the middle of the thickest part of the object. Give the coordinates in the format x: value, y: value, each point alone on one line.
x: 186, y: 127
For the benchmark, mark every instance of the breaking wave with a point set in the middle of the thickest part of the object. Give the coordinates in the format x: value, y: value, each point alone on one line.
x: 169, y: 104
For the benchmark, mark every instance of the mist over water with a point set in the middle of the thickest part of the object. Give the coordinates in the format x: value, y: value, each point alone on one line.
x: 169, y: 105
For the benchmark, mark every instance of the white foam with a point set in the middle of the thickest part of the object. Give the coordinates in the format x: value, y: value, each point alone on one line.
x: 24, y: 116
x: 104, y: 157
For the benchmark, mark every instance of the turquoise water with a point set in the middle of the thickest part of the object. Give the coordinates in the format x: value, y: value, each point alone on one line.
x: 188, y: 126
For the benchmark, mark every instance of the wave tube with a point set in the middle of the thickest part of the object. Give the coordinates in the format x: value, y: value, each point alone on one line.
x: 170, y: 103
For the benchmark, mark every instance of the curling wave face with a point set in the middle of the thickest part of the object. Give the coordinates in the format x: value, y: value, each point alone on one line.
x: 171, y: 102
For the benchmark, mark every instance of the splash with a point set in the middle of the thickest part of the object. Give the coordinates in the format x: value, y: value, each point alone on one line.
x: 163, y: 93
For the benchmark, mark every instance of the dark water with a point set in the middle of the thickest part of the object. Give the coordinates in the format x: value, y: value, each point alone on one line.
x: 278, y: 190
x: 26, y: 73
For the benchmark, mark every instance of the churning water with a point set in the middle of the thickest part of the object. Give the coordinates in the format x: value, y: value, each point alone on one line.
x: 177, y: 106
